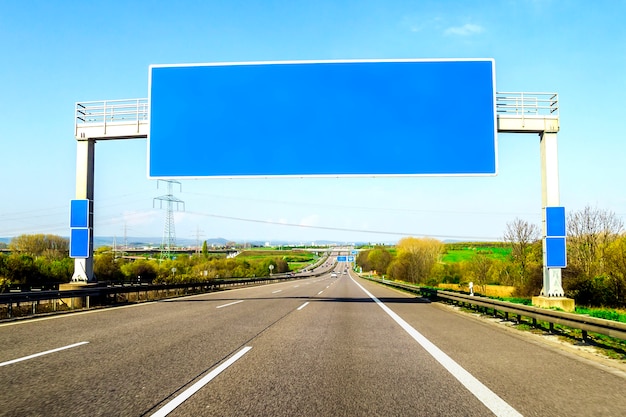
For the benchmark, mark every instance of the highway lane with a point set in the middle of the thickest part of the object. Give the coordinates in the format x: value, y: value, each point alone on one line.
x: 337, y: 356
x: 136, y: 356
x: 535, y: 379
x: 340, y: 354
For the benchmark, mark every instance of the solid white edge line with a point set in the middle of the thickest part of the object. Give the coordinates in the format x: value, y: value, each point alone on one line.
x: 42, y: 353
x: 169, y: 407
x: 303, y: 305
x: 230, y: 304
x: 490, y: 399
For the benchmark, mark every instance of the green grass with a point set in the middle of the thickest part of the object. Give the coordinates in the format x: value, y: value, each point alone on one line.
x: 516, y: 300
x: 602, y: 313
x: 466, y: 254
x: 295, y: 258
x: 296, y: 266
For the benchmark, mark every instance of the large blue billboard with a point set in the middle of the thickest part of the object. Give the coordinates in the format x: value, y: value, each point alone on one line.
x: 323, y: 118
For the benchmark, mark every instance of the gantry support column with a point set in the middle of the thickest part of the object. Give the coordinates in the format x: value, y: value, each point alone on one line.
x: 552, y: 294
x: 85, y: 149
x: 552, y: 285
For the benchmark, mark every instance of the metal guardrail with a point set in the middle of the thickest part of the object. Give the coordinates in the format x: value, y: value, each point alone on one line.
x: 114, y: 294
x: 107, y: 295
x: 527, y: 104
x: 575, y: 321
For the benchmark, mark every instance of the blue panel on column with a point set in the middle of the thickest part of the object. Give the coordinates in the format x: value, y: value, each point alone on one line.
x: 555, y: 221
x: 79, y: 213
x: 556, y: 252
x: 79, y: 243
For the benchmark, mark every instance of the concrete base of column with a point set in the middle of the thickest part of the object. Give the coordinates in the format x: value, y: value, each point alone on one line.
x: 75, y: 302
x: 565, y: 304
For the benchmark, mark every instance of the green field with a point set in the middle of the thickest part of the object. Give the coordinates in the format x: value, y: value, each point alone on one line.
x: 295, y: 258
x: 461, y: 254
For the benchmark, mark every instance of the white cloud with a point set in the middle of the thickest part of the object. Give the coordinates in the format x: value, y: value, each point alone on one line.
x: 467, y: 29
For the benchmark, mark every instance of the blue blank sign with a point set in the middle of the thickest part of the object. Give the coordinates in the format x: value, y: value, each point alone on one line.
x: 342, y: 258
x: 79, y: 213
x: 397, y: 117
x: 556, y: 254
x: 79, y: 243
x: 555, y: 221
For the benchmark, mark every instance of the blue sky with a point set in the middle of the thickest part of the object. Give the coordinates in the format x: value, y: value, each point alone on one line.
x: 55, y: 54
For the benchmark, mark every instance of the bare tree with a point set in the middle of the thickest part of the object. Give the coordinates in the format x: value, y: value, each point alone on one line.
x: 589, y: 233
x: 521, y: 234
x: 479, y: 270
x: 616, y: 273
x: 50, y: 246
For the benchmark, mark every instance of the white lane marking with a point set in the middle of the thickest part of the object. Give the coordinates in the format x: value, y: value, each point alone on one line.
x: 230, y: 304
x: 274, y: 292
x: 41, y: 353
x: 169, y: 407
x: 320, y: 292
x: 490, y: 399
x: 296, y: 286
x: 303, y: 305
x: 327, y: 287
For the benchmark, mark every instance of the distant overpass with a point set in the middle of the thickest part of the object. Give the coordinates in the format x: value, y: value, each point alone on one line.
x: 176, y: 251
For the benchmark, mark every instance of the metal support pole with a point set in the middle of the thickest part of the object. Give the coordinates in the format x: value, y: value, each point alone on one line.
x: 83, y: 267
x: 552, y: 284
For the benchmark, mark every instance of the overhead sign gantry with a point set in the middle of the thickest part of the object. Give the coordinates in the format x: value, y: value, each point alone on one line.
x: 421, y: 117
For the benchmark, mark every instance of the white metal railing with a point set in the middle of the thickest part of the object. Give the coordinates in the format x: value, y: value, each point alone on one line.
x: 111, y: 112
x: 135, y: 111
x: 527, y: 104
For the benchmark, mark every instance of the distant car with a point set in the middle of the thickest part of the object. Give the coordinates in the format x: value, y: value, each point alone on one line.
x: 333, y: 275
x: 345, y: 272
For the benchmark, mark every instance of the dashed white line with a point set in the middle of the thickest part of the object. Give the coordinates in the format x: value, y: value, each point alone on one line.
x: 41, y: 353
x: 169, y: 407
x: 303, y: 305
x: 230, y: 304
x: 296, y: 286
x: 277, y: 291
x: 320, y: 292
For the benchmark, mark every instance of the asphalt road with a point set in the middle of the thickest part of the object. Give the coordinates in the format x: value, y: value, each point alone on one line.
x: 310, y: 347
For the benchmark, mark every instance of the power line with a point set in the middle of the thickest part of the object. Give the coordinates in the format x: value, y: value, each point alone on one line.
x: 355, y: 207
x: 342, y: 229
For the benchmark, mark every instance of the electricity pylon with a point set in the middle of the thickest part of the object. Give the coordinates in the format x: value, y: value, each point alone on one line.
x: 169, y: 232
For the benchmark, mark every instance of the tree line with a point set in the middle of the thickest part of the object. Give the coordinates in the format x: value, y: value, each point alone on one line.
x: 41, y: 261
x: 595, y: 275
x: 596, y: 252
